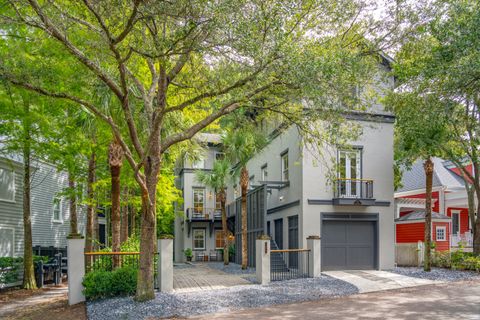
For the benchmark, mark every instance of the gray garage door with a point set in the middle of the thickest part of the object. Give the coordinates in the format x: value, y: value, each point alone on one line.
x: 348, y: 245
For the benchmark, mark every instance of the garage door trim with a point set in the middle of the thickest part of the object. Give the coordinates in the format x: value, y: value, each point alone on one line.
x: 349, y: 216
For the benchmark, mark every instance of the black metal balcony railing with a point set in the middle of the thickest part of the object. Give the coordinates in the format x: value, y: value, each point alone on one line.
x: 354, y: 188
x: 200, y: 213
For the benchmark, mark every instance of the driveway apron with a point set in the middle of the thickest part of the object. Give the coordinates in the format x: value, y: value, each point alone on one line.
x: 373, y: 280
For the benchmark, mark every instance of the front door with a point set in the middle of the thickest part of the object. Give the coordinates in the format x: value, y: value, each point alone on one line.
x: 455, y: 223
x: 349, y: 174
x: 279, y: 233
x: 293, y: 241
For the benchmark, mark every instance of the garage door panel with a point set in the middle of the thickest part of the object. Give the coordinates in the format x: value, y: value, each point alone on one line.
x: 348, y: 245
x: 360, y: 257
x: 338, y: 257
x: 335, y: 233
x: 360, y: 232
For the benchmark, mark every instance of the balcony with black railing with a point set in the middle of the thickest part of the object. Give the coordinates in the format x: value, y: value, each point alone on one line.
x: 353, y: 192
x: 203, y: 214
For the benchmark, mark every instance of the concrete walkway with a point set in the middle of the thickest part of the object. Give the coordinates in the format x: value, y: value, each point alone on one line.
x: 373, y: 280
x: 459, y: 301
x: 49, y: 295
x: 195, y: 277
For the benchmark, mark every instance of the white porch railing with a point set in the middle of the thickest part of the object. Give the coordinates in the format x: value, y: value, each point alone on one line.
x: 465, y: 239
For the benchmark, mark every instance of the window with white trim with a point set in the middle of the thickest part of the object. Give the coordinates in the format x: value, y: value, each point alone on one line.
x: 7, y: 184
x: 441, y: 233
x: 198, y: 239
x: 264, y: 173
x: 198, y: 164
x: 198, y: 200
x: 57, y: 210
x: 285, y: 166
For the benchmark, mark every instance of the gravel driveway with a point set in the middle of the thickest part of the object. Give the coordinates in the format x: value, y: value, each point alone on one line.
x: 223, y: 300
x: 438, y: 274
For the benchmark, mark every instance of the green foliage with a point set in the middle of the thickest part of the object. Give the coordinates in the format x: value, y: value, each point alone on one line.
x: 457, y: 260
x: 188, y: 252
x: 102, y: 284
x: 10, y: 268
x: 132, y: 244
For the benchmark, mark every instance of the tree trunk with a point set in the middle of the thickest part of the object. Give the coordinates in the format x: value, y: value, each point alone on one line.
x: 73, y: 206
x: 28, y: 270
x: 222, y: 199
x: 115, y: 159
x: 428, y: 167
x: 471, y: 203
x: 133, y: 217
x: 90, y: 236
x: 476, y: 228
x: 148, y: 231
x: 244, y: 186
x: 124, y: 226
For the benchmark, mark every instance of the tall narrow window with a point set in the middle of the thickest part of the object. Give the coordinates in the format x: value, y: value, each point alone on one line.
x: 219, y: 240
x: 349, y: 173
x: 265, y: 172
x: 218, y: 206
x: 198, y: 200
x: 7, y: 185
x: 285, y: 176
x: 198, y: 239
x: 57, y: 210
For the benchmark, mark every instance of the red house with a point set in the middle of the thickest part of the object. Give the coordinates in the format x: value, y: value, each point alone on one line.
x: 410, y: 228
x: 450, y: 206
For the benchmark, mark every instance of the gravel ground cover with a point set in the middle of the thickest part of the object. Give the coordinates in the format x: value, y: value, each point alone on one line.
x: 223, y: 300
x: 439, y: 274
x: 231, y: 268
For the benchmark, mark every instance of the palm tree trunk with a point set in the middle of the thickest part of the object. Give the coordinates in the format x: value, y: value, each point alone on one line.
x: 73, y: 206
x: 115, y: 157
x: 28, y: 270
x: 244, y: 186
x: 428, y: 167
x: 124, y: 226
x: 91, y: 204
x: 222, y: 197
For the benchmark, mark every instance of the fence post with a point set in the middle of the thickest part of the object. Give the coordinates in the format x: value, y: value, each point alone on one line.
x: 314, y: 263
x: 165, y: 264
x: 263, y: 259
x: 420, y: 253
x: 75, y: 269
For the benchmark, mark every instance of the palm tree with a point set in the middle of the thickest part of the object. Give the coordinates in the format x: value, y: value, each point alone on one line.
x: 240, y: 145
x: 217, y: 179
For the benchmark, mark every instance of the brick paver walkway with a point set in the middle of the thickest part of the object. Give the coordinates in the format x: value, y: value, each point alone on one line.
x: 187, y: 278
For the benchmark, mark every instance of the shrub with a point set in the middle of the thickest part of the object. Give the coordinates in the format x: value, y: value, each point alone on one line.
x: 124, y: 281
x: 441, y: 259
x: 102, y: 284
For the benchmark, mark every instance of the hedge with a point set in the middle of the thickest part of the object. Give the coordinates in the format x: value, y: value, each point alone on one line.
x: 103, y: 284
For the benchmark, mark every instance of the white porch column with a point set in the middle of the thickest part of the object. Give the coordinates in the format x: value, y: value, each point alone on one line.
x: 76, y: 269
x: 314, y: 263
x: 263, y: 259
x: 165, y: 265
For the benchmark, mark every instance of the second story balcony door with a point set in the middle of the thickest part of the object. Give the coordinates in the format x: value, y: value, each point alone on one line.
x: 198, y: 202
x: 349, y: 174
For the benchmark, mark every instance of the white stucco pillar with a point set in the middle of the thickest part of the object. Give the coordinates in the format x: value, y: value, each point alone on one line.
x: 262, y: 252
x: 165, y: 265
x: 314, y: 261
x: 76, y: 269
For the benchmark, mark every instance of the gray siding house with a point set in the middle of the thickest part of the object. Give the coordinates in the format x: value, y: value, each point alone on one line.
x: 49, y: 211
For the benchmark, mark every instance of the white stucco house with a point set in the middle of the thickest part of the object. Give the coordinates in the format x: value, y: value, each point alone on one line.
x: 293, y: 196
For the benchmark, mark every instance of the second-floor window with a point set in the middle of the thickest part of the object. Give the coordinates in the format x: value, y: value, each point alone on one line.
x: 218, y: 205
x: 198, y: 200
x: 198, y: 164
x: 219, y: 156
x: 284, y: 165
x: 265, y: 173
x: 7, y: 185
x: 57, y: 210
x: 349, y: 172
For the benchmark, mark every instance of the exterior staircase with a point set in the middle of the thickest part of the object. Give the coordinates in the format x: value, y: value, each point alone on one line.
x: 277, y: 262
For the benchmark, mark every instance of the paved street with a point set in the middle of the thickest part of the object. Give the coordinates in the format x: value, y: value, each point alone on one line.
x: 460, y: 300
